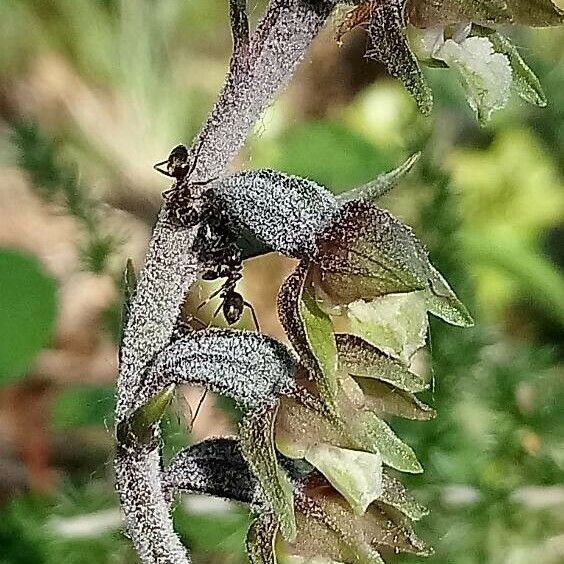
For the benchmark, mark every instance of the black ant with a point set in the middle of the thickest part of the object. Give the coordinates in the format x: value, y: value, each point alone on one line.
x: 215, y: 244
x: 226, y: 263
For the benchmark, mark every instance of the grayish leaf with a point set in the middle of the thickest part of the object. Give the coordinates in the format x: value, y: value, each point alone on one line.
x: 213, y: 467
x: 285, y: 212
x: 250, y: 368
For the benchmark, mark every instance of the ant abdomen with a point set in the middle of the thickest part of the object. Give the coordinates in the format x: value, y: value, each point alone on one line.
x: 233, y: 306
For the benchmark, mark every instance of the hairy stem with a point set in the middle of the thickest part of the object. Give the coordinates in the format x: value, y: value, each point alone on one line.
x: 147, y: 517
x: 259, y: 69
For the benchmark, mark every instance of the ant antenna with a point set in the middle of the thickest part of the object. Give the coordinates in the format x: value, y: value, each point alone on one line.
x: 162, y: 171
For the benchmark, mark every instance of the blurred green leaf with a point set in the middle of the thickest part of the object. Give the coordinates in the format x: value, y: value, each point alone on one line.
x: 222, y: 532
x: 56, y: 181
x: 331, y: 154
x: 28, y: 304
x: 83, y: 406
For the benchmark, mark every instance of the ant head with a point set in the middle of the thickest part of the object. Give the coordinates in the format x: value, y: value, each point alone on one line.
x: 233, y: 307
x: 177, y: 162
x: 179, y: 165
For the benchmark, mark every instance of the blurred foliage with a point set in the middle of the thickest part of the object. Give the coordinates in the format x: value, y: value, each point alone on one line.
x: 84, y: 406
x: 29, y: 307
x: 38, y: 156
x: 121, y: 81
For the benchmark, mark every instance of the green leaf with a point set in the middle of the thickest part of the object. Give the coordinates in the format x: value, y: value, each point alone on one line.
x: 525, y: 82
x: 260, y: 540
x: 376, y: 436
x: 140, y: 425
x: 355, y: 474
x: 29, y: 306
x: 256, y: 431
x: 375, y: 189
x: 129, y: 282
x: 395, y: 495
x: 390, y: 46
x: 321, y: 341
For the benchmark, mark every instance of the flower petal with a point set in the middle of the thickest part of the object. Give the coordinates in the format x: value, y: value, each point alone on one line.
x: 321, y: 341
x: 328, y: 528
x: 395, y: 495
x: 361, y: 359
x: 486, y: 75
x: 384, y: 399
x: 377, y: 254
x: 289, y: 300
x: 426, y: 13
x: 380, y: 527
x: 442, y: 302
x: 355, y: 474
x: 525, y: 82
x: 396, y: 323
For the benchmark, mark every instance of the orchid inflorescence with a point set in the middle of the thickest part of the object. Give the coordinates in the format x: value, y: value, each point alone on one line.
x: 315, y: 457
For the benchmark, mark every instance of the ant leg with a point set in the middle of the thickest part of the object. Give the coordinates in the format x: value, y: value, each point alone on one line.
x: 216, y: 312
x: 197, y: 411
x: 204, y: 182
x: 253, y: 314
x: 207, y: 301
x: 198, y: 321
x: 195, y: 158
x: 212, y: 296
